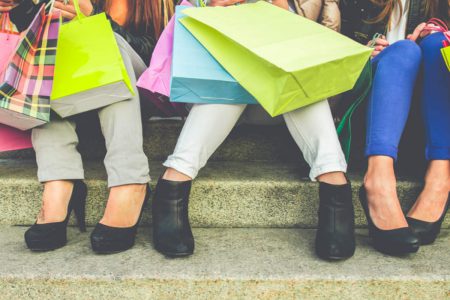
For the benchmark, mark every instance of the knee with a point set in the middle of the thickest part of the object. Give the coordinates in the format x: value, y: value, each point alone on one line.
x: 432, y: 43
x: 408, y: 50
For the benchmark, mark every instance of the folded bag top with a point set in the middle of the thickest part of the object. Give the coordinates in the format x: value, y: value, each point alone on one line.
x: 90, y: 72
x: 197, y: 77
x: 285, y: 61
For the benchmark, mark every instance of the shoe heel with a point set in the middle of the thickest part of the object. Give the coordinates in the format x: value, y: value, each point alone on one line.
x: 79, y: 209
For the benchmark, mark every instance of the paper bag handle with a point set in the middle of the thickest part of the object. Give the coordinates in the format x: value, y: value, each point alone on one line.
x: 76, y: 5
x: 7, y: 25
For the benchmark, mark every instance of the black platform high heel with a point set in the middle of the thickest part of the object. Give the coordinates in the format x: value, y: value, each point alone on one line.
x: 396, y: 242
x: 107, y: 240
x: 51, y: 236
x: 427, y: 232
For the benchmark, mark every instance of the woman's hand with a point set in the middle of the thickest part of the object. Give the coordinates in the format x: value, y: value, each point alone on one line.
x: 7, y: 5
x: 225, y: 2
x: 420, y: 31
x: 68, y: 11
x: 380, y: 44
x: 281, y: 3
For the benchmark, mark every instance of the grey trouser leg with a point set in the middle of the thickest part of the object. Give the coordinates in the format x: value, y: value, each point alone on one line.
x: 57, y: 157
x: 55, y: 143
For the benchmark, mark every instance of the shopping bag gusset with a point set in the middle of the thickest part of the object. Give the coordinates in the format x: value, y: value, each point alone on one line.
x: 285, y: 61
x: 197, y: 77
x: 8, y: 41
x: 28, y: 79
x: 12, y: 139
x: 154, y: 84
x: 90, y: 72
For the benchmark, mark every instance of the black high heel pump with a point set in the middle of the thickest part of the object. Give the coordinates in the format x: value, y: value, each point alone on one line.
x: 107, y: 240
x: 51, y: 236
x: 427, y: 232
x: 396, y: 242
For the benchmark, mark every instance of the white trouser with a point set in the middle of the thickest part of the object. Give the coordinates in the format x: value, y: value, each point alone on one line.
x: 208, y: 125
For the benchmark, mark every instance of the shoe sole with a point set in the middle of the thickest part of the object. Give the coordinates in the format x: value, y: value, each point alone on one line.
x: 399, y: 253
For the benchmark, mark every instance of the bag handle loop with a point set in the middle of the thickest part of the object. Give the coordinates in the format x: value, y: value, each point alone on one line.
x: 76, y: 5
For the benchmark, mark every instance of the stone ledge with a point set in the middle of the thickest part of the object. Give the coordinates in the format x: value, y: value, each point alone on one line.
x: 226, y: 194
x: 228, y: 264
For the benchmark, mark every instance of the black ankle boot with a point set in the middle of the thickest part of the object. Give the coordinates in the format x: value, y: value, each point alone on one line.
x: 107, y: 240
x: 395, y: 242
x: 51, y: 236
x: 172, y: 235
x: 335, y: 238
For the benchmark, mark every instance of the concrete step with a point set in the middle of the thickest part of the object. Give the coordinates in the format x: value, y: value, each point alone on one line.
x: 228, y: 264
x: 246, y: 142
x: 251, y: 194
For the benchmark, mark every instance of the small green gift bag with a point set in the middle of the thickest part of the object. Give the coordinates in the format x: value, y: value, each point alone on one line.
x: 90, y: 72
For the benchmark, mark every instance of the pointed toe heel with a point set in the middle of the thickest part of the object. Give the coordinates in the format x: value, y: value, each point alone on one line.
x: 395, y: 242
x: 427, y: 232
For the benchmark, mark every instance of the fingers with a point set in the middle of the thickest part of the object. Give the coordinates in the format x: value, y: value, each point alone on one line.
x: 413, y: 37
x: 65, y: 8
x: 379, y: 48
x: 375, y: 53
x: 6, y: 6
x: 382, y: 42
x: 66, y: 15
x: 225, y: 2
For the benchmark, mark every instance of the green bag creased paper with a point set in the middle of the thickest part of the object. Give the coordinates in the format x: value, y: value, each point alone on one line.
x: 285, y: 61
x: 88, y: 57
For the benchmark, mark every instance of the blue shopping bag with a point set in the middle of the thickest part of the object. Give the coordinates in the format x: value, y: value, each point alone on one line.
x: 197, y: 77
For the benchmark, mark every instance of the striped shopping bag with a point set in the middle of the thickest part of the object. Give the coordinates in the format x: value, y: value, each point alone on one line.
x: 9, y: 39
x: 27, y: 85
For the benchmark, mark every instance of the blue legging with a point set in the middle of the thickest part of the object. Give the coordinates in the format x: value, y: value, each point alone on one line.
x: 396, y: 71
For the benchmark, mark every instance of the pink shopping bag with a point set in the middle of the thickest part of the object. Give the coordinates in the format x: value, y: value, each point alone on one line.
x: 8, y: 41
x: 156, y: 78
x: 13, y: 139
x: 10, y: 138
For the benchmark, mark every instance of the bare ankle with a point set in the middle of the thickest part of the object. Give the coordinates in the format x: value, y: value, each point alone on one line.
x: 174, y: 175
x: 335, y: 178
x: 380, y: 172
x: 55, y: 200
x: 437, y: 177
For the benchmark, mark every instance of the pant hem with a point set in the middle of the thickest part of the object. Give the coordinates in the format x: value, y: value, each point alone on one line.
x: 437, y: 153
x: 116, y: 182
x: 180, y: 167
x: 315, y: 172
x: 66, y: 176
x: 382, y: 151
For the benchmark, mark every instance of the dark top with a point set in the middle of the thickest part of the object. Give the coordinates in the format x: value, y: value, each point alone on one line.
x: 356, y: 13
x: 143, y: 42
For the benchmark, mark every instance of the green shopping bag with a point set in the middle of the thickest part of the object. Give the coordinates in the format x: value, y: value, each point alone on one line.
x: 446, y: 54
x: 285, y: 61
x: 89, y: 72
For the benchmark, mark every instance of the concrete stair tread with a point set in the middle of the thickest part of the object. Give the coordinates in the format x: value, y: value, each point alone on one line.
x: 275, y: 263
x: 226, y: 194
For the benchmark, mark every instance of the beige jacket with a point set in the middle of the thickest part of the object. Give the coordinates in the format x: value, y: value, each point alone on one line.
x: 325, y: 12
